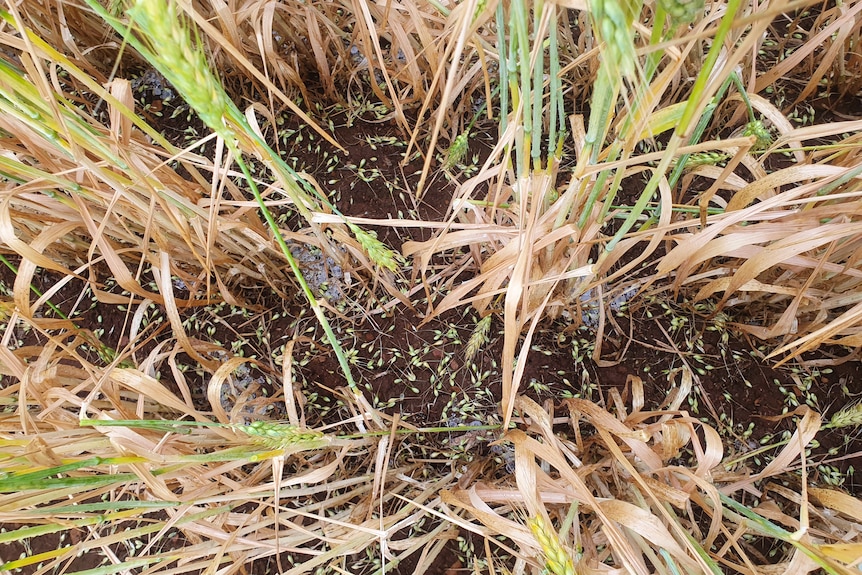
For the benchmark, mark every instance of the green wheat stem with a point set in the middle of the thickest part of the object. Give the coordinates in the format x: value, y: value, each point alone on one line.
x: 654, y: 57
x: 613, y: 154
x: 841, y: 146
x: 521, y: 45
x: 770, y: 529
x: 715, y: 50
x: 692, y: 105
x: 611, y: 23
x: 79, y: 508
x: 556, y: 105
x: 693, y: 545
x: 525, y: 78
x: 182, y: 427
x: 297, y: 272
x: 440, y: 8
x: 48, y: 478
x: 743, y: 93
x: 503, y: 67
x: 537, y: 87
x: 605, y: 92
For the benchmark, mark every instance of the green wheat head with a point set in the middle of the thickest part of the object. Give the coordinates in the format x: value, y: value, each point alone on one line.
x: 274, y: 435
x: 376, y: 250
x: 612, y: 22
x: 850, y: 416
x: 703, y: 159
x: 682, y: 11
x: 762, y: 135
x: 557, y: 560
x: 457, y: 151
x: 182, y: 62
x: 478, y: 338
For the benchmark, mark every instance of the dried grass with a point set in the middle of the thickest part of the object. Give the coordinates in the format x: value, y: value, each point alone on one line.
x: 280, y: 46
x: 222, y: 487
x: 81, y: 195
x: 785, y: 237
x: 624, y: 502
x: 78, y: 188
